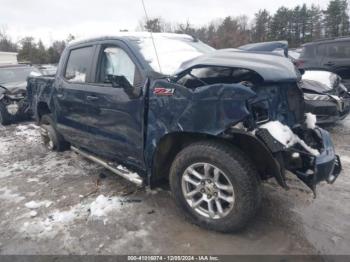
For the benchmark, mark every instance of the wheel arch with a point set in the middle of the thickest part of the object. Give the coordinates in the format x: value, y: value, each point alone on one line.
x: 171, y: 144
x: 42, y: 108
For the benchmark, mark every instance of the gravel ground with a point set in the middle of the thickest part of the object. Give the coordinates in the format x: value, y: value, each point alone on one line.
x: 59, y: 203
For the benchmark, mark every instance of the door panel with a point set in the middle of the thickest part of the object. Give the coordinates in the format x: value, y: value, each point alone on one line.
x: 70, y: 98
x: 116, y: 113
x: 116, y: 123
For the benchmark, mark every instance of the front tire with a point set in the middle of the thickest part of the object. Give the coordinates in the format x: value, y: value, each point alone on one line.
x: 216, y: 186
x: 52, y: 140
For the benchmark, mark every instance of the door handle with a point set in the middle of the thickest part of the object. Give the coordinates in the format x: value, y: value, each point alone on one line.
x: 92, y: 98
x: 329, y: 64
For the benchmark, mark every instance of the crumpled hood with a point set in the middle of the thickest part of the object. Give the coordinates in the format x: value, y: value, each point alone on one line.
x: 269, y: 67
x: 15, y: 87
x: 320, y: 81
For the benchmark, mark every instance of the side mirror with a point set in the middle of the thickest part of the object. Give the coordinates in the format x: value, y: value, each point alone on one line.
x: 119, y: 81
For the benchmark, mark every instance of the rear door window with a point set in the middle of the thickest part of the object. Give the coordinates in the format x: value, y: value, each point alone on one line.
x: 308, y: 52
x: 339, y: 50
x: 322, y: 50
x: 78, y: 65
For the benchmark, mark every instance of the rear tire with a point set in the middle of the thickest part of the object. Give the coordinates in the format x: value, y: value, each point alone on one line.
x: 52, y: 139
x: 226, y: 183
x: 5, y: 117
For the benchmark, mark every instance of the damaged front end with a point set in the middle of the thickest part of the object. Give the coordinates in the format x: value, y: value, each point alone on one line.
x: 293, y: 138
x: 13, y: 100
x: 278, y: 119
x: 306, y: 152
x: 255, y: 102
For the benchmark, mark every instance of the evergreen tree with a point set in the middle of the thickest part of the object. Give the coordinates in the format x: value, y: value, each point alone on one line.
x: 315, y: 24
x: 41, y: 55
x: 54, y: 51
x: 336, y: 18
x: 6, y: 45
x: 281, y: 25
x: 261, y: 26
x: 28, y: 50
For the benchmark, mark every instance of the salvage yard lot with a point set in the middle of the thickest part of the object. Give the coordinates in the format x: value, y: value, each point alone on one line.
x: 60, y: 203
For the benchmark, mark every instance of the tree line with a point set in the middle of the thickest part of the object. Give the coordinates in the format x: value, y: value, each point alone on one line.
x: 32, y: 51
x: 297, y: 25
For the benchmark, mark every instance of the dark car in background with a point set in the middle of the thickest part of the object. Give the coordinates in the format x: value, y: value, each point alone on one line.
x: 332, y: 55
x: 13, y: 83
x: 324, y: 92
x: 325, y: 96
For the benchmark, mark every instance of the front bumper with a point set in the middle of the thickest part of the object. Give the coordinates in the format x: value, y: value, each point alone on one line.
x: 324, y: 167
x: 308, y: 168
x: 328, y: 112
x: 16, y: 107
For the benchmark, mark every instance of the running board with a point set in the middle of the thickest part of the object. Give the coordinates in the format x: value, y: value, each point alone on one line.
x: 119, y: 170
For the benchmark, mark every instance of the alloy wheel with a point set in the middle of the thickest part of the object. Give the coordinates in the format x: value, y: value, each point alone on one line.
x: 208, y: 190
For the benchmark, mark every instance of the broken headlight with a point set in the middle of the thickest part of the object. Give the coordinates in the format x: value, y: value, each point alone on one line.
x: 260, y: 112
x: 16, y: 96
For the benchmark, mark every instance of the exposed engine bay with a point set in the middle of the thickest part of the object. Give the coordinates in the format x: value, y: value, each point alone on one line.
x: 277, y: 118
x: 13, y: 104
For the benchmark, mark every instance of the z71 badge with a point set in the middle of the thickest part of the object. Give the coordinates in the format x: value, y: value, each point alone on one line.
x: 162, y: 91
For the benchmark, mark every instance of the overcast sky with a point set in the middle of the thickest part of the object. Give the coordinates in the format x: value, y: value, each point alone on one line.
x: 53, y: 20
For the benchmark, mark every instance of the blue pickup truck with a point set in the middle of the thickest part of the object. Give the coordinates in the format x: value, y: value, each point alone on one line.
x: 212, y: 123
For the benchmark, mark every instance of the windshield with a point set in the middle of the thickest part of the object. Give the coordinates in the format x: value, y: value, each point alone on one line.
x: 16, y: 74
x: 172, y: 51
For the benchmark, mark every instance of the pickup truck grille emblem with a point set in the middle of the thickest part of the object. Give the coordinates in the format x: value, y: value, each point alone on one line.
x: 162, y: 91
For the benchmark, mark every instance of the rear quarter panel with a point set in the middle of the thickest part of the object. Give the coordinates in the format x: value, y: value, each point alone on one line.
x: 40, y: 89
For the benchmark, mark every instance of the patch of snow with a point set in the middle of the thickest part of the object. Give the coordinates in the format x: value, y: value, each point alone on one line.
x: 171, y: 53
x: 153, y: 191
x: 16, y: 168
x: 7, y: 194
x: 57, y: 221
x: 35, y: 205
x: 310, y: 120
x: 33, y: 213
x: 285, y: 136
x: 345, y: 159
x: 295, y: 155
x: 5, y: 147
x: 102, y: 205
x: 122, y: 168
x: 32, y: 180
x: 63, y: 216
x: 28, y: 132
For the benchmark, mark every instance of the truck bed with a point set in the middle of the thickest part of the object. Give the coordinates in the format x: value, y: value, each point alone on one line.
x: 39, y: 89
